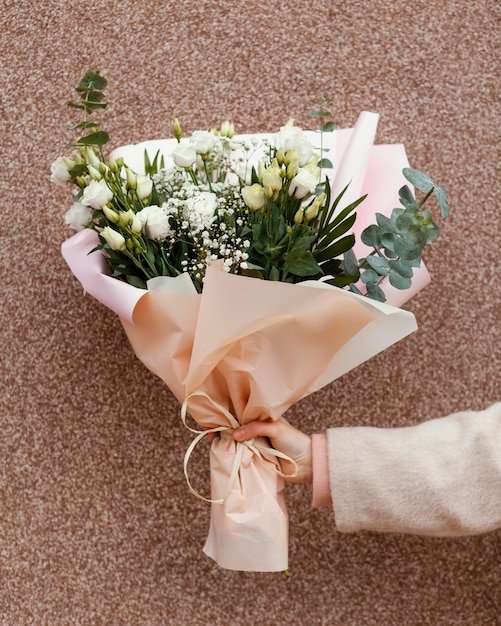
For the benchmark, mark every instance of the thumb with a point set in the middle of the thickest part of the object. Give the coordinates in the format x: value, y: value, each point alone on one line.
x: 253, y: 429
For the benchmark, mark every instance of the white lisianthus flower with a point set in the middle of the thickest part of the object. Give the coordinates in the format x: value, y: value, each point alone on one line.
x: 97, y: 194
x: 204, y: 141
x: 144, y: 186
x: 155, y: 220
x: 253, y: 196
x: 200, y: 209
x: 59, y: 170
x: 292, y: 137
x: 289, y: 137
x: 78, y: 216
x: 304, y: 183
x: 113, y: 238
x: 184, y: 155
x: 305, y: 151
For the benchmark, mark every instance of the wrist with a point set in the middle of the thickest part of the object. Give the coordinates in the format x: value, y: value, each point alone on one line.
x: 320, y: 467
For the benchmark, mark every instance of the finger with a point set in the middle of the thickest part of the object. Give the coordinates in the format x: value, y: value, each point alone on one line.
x: 256, y: 429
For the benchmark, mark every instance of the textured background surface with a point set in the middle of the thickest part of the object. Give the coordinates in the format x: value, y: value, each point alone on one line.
x: 96, y: 525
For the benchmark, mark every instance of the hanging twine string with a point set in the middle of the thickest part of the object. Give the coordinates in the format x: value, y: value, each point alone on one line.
x: 226, y: 432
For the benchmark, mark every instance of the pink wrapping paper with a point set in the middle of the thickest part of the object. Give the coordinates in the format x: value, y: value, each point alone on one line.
x: 248, y: 349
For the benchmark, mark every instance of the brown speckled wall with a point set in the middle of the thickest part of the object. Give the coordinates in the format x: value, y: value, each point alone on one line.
x: 96, y: 523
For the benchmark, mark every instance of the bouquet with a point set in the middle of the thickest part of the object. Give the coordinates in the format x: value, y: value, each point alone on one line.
x: 243, y: 278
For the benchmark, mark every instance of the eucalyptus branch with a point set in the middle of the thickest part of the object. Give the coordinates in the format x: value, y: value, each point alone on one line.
x: 397, y: 242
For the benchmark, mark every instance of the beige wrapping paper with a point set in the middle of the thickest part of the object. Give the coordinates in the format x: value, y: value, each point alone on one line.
x: 254, y: 348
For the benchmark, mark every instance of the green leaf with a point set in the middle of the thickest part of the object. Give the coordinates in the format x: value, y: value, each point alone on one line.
x: 384, y: 222
x: 406, y: 249
x: 371, y: 236
x: 399, y: 282
x: 379, y: 264
x: 407, y: 198
x: 328, y: 127
x: 375, y: 292
x: 422, y: 181
x: 135, y: 281
x: 388, y: 242
x: 152, y: 167
x: 274, y: 274
x: 92, y: 79
x: 78, y: 170
x: 354, y: 289
x: 74, y: 105
x: 350, y: 262
x: 369, y: 276
x: 336, y: 231
x: 325, y: 164
x: 441, y: 197
x: 342, y: 280
x: 301, y: 263
x: 401, y: 267
x: 94, y: 139
x: 332, y: 267
x: 252, y: 273
x: 336, y: 249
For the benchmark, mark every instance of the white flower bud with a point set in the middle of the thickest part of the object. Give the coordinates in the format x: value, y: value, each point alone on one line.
x: 91, y: 157
x: 176, y: 129
x: 94, y: 173
x: 299, y: 217
x: 114, y: 239
x: 253, y: 196
x: 227, y: 129
x: 144, y: 186
x: 131, y: 178
x: 110, y: 214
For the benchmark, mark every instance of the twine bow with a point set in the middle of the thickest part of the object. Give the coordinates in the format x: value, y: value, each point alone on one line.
x: 226, y: 432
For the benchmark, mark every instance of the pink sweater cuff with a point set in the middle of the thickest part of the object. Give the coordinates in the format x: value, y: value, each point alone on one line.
x: 320, y: 465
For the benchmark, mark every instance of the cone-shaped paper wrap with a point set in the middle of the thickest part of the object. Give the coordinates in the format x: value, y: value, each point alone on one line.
x: 248, y: 349
x: 244, y: 349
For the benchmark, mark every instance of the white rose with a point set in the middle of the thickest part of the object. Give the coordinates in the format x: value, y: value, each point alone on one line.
x: 144, y: 186
x: 184, y: 155
x: 78, y: 216
x: 59, y: 170
x: 113, y: 238
x: 199, y: 210
x: 97, y: 194
x: 304, y: 183
x: 156, y: 222
x: 204, y: 141
x: 290, y: 137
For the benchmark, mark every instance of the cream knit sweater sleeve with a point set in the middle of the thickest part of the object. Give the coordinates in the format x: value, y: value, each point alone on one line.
x: 442, y: 477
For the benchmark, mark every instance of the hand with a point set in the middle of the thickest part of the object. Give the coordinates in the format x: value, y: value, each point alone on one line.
x: 288, y: 440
